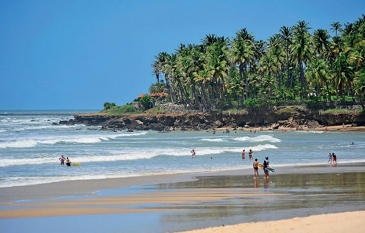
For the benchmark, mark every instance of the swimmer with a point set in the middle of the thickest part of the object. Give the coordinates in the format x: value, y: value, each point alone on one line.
x: 250, y: 154
x: 62, y: 159
x: 68, y: 162
x: 243, y: 154
x: 193, y: 154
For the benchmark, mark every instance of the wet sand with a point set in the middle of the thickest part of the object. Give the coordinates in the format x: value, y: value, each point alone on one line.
x: 185, y: 201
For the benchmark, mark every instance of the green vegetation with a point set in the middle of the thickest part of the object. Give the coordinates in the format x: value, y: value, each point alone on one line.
x: 146, y: 101
x: 124, y: 109
x: 108, y: 106
x: 296, y: 66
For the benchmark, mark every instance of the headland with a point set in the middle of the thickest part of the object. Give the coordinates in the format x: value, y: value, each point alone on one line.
x: 274, y: 118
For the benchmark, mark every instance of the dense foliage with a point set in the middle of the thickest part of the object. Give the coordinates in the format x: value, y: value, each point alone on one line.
x: 123, y: 109
x: 294, y: 64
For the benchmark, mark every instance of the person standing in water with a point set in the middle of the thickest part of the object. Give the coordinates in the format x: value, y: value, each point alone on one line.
x: 193, y: 154
x: 330, y: 158
x: 250, y: 154
x: 256, y: 168
x: 62, y: 160
x: 68, y: 162
x: 243, y: 154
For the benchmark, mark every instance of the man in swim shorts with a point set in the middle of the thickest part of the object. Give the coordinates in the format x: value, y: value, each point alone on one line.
x: 68, y: 162
x: 256, y: 168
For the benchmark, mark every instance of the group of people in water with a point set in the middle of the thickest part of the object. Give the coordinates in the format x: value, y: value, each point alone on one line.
x: 63, y: 159
x: 249, y: 154
x: 255, y: 163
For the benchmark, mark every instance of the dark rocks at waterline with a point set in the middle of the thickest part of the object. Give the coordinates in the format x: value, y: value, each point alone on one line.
x: 293, y: 117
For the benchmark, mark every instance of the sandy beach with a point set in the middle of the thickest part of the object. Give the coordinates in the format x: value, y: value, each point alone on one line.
x: 196, y: 201
x: 334, y: 128
x: 349, y: 222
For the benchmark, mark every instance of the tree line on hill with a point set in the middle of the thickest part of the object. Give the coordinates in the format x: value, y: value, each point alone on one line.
x: 294, y: 64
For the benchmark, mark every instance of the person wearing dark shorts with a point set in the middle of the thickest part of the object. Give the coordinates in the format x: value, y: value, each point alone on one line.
x: 68, y: 162
x: 256, y: 168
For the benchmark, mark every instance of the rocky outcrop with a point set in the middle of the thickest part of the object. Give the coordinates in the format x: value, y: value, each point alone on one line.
x: 285, y: 116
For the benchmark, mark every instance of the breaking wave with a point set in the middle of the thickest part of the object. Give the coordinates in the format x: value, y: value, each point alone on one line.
x: 24, y: 143
x: 260, y: 138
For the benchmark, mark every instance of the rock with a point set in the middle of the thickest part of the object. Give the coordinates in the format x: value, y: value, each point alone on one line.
x: 139, y: 122
x: 218, y: 124
x: 313, y: 124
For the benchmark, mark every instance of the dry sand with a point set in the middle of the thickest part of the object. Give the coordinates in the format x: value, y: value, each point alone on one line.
x: 331, y: 223
x: 335, y: 128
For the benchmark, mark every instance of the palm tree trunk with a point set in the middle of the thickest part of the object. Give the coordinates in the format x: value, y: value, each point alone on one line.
x: 302, y: 81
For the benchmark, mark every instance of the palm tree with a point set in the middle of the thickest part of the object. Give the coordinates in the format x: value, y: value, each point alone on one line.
x: 321, y: 41
x: 286, y: 34
x: 277, y: 55
x: 336, y: 26
x: 317, y: 73
x: 301, y: 42
x: 242, y: 54
x: 217, y: 64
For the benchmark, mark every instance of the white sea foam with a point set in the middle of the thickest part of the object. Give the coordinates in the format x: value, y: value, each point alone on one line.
x: 212, y: 140
x: 131, y: 154
x: 18, y: 144
x: 260, y: 138
x: 302, y: 131
x: 26, y: 143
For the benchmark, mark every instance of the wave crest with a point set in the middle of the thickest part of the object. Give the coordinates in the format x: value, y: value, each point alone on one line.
x: 260, y: 138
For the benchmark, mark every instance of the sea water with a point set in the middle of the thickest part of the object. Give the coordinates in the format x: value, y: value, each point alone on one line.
x: 30, y: 147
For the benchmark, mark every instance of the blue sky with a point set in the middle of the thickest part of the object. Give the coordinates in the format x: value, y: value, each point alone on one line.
x: 78, y: 54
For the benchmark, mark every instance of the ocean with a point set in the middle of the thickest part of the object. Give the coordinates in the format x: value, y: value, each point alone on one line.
x: 30, y: 147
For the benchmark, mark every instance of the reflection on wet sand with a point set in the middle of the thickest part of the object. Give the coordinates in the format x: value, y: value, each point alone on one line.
x: 255, y: 182
x: 305, y: 194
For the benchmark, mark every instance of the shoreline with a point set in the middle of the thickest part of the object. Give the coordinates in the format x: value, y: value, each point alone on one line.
x: 88, y: 187
x: 184, y: 202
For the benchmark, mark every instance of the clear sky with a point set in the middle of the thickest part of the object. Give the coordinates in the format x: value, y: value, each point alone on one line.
x: 78, y: 54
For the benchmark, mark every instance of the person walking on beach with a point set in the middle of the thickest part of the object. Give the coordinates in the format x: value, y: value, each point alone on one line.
x: 266, y: 165
x: 62, y: 160
x: 250, y: 154
x: 243, y: 154
x: 329, y: 158
x: 256, y: 168
x: 193, y: 154
x: 68, y: 162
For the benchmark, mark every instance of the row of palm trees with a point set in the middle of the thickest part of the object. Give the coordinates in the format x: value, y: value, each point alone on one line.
x: 294, y: 64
